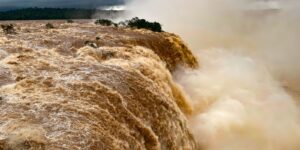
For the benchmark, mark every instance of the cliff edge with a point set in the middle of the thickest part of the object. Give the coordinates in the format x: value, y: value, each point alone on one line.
x: 83, y: 86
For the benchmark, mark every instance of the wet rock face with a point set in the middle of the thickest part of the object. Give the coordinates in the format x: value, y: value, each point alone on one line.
x: 59, y: 93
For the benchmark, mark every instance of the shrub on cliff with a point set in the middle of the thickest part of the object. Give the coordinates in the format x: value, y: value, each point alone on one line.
x: 104, y: 22
x: 132, y: 23
x: 144, y: 24
x: 8, y: 28
x: 49, y: 26
x: 70, y: 21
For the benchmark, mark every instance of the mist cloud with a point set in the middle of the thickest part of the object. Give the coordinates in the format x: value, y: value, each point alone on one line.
x: 254, y: 28
x: 249, y: 58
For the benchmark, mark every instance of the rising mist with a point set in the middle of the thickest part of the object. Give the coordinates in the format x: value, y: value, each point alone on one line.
x: 245, y: 93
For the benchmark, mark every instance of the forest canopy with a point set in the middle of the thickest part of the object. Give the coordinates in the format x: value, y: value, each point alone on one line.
x: 55, y: 13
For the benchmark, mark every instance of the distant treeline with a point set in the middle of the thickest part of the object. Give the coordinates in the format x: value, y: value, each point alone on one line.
x: 56, y: 13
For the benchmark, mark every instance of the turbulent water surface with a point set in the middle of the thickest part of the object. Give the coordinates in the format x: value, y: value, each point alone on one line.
x: 83, y: 86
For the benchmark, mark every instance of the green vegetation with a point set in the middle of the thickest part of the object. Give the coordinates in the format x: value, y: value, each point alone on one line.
x: 8, y: 28
x: 71, y: 13
x: 49, y: 26
x: 55, y: 13
x: 132, y: 23
x: 144, y: 24
x: 104, y: 22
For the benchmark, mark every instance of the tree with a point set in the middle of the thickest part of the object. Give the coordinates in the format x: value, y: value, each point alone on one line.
x: 144, y: 24
x: 104, y: 22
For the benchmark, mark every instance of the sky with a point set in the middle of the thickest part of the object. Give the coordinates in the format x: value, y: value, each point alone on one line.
x: 13, y: 4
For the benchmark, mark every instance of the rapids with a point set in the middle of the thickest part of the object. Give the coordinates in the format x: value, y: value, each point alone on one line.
x: 83, y: 86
